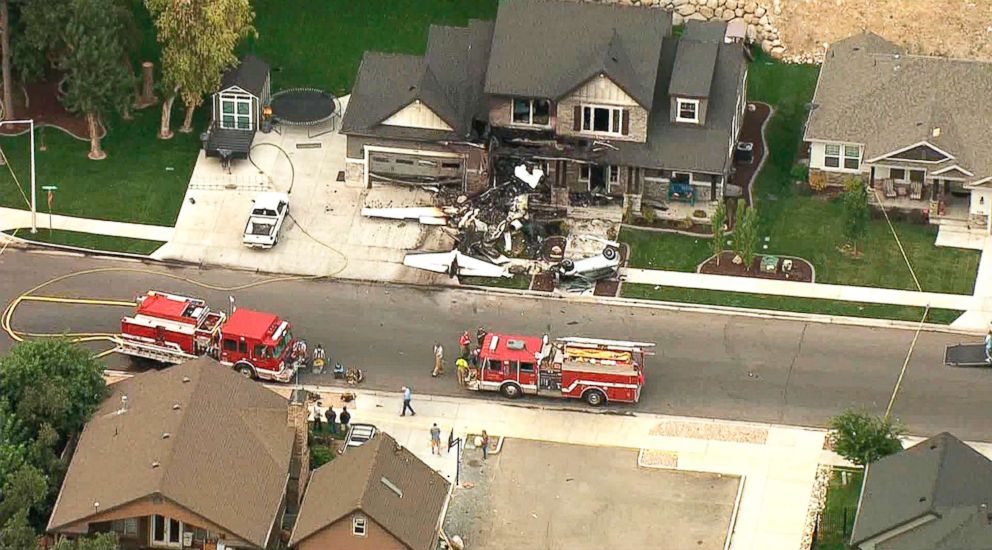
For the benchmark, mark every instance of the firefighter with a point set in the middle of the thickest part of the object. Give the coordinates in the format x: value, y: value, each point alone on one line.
x: 465, y: 342
x: 318, y: 359
x: 480, y: 335
x: 461, y: 366
x: 438, y: 360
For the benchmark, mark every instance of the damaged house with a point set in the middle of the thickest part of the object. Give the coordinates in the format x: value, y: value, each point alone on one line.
x: 603, y: 98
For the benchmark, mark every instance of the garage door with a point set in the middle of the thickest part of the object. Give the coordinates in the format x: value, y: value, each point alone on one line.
x: 414, y: 169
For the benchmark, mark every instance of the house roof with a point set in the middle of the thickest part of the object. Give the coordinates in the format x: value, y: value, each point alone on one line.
x: 692, y: 74
x: 250, y: 75
x: 941, y: 476
x: 447, y: 79
x: 871, y: 92
x: 690, y: 147
x: 224, y: 428
x: 547, y: 48
x: 355, y: 481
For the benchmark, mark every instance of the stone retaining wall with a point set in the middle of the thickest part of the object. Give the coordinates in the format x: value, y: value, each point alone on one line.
x: 758, y: 15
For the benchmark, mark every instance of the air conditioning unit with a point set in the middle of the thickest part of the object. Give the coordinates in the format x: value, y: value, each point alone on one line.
x: 515, y: 344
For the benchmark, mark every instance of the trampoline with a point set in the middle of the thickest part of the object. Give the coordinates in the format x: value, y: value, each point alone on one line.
x: 304, y: 107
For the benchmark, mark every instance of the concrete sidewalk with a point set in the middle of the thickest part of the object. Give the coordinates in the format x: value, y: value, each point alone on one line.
x: 779, y: 463
x: 11, y: 219
x: 800, y: 290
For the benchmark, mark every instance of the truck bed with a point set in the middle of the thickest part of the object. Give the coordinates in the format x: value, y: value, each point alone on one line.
x: 965, y: 355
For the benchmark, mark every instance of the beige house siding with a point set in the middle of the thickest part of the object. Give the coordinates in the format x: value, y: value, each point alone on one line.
x: 600, y: 90
x: 338, y: 536
x: 417, y: 115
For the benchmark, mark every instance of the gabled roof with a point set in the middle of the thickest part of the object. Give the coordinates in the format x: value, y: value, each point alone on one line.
x: 941, y: 476
x: 546, y: 49
x: 692, y: 75
x: 224, y: 427
x: 360, y: 479
x: 446, y: 79
x: 249, y: 75
x: 871, y: 92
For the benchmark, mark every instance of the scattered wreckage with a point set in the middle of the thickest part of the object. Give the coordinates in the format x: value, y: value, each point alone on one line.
x: 511, y: 228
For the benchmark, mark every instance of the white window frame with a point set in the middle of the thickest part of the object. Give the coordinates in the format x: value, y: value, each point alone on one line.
x: 359, y: 526
x: 856, y: 157
x: 236, y: 99
x: 588, y: 173
x: 125, y: 527
x: 612, y: 131
x: 530, y: 114
x: 166, y: 532
x: 679, y: 102
x: 838, y: 155
x: 612, y: 175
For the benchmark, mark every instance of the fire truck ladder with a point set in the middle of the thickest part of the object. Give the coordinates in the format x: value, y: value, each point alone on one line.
x: 170, y: 353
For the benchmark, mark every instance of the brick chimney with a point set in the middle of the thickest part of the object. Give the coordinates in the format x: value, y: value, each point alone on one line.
x: 299, y: 464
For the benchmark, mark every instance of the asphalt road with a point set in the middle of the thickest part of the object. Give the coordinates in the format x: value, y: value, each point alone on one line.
x: 707, y: 365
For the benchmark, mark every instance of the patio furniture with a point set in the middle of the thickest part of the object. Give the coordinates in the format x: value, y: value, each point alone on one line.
x: 682, y: 192
x: 901, y: 191
x: 890, y: 189
x: 787, y: 266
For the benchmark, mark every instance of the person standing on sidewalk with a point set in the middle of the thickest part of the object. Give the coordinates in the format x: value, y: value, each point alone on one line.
x: 332, y: 419
x: 435, y: 439
x: 485, y: 445
x: 345, y: 418
x: 407, y: 396
x: 464, y: 342
x: 438, y: 360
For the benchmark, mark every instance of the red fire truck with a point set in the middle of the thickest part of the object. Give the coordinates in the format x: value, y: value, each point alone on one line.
x: 591, y: 369
x: 172, y: 329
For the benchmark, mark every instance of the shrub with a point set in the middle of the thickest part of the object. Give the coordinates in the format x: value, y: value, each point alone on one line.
x: 817, y: 181
x: 699, y: 214
x: 685, y: 223
x: 320, y: 455
x: 648, y: 213
x: 863, y: 438
x: 800, y: 172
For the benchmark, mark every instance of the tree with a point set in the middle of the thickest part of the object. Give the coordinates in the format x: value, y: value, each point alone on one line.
x: 863, y: 438
x: 97, y: 80
x: 718, y: 220
x: 17, y: 534
x: 856, y: 212
x: 40, y: 36
x: 52, y: 383
x: 8, y: 85
x: 198, y: 41
x: 746, y: 233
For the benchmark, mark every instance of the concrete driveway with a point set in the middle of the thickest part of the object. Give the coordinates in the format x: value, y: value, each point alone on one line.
x: 325, y: 235
x: 535, y: 494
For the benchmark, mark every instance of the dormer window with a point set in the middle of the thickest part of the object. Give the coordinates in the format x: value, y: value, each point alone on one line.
x: 532, y: 112
x: 359, y: 526
x: 687, y: 110
x: 603, y: 120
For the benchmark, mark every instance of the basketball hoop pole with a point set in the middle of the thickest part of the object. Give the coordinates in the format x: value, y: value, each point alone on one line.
x: 34, y: 202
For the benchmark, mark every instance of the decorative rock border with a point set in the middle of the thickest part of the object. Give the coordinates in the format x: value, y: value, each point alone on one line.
x: 782, y: 256
x: 817, y: 499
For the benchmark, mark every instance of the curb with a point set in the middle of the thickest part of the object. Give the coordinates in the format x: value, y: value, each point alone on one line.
x: 678, y: 307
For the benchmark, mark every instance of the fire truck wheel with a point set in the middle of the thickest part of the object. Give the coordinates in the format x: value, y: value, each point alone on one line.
x: 510, y: 391
x: 594, y: 398
x: 246, y: 370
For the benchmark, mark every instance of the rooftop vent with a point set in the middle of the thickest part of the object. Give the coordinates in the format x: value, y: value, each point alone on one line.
x: 935, y: 132
x: 175, y: 406
x: 155, y: 464
x: 185, y: 379
x: 166, y: 435
x: 392, y: 486
x: 923, y: 499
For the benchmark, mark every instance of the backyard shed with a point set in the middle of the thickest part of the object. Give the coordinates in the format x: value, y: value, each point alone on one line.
x: 237, y: 109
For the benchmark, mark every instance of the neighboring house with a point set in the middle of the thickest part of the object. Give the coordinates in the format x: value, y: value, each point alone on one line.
x: 236, y: 109
x: 603, y: 96
x: 196, y: 456
x: 378, y: 496
x: 910, y: 125
x: 933, y: 496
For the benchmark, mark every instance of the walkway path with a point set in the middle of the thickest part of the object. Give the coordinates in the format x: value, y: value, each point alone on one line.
x: 779, y: 463
x: 801, y: 290
x: 11, y: 219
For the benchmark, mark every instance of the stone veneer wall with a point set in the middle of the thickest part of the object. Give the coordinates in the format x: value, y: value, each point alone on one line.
x: 758, y: 15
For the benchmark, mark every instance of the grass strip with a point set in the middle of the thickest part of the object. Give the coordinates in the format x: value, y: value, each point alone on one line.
x: 90, y: 241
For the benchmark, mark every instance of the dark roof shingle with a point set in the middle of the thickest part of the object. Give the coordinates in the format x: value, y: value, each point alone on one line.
x: 249, y: 75
x: 354, y: 481
x: 225, y: 427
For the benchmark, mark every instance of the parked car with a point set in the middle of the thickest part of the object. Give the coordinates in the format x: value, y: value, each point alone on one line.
x: 358, y: 434
x: 268, y: 211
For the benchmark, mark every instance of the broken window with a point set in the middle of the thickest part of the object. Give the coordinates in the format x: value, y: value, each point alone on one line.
x: 602, y: 119
x: 614, y: 175
x: 583, y: 172
x: 532, y: 111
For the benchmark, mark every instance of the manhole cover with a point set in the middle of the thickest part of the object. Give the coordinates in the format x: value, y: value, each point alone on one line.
x: 475, y: 463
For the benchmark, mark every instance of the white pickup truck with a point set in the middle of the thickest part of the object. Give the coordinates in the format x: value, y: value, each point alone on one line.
x: 268, y: 211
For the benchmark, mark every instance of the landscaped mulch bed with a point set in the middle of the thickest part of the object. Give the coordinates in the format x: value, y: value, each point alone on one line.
x: 751, y: 131
x: 44, y: 107
x: 802, y: 271
x: 607, y: 287
x: 543, y: 282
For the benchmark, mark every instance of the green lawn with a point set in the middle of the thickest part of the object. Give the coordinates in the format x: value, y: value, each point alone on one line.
x: 786, y: 303
x: 319, y: 43
x: 92, y: 242
x: 142, y: 180
x: 841, y: 505
x: 518, y: 282
x: 797, y: 223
